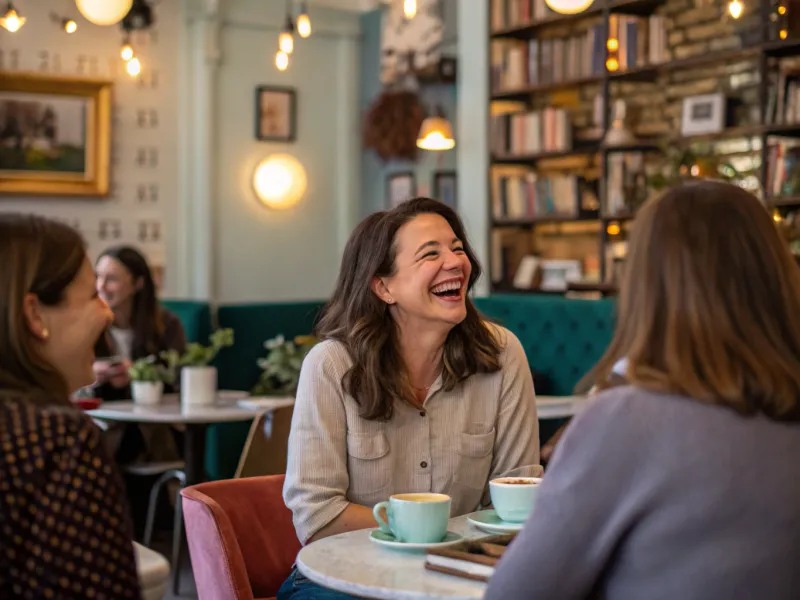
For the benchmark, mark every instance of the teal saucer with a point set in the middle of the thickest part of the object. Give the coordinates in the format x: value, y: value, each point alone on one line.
x: 488, y: 521
x: 389, y: 541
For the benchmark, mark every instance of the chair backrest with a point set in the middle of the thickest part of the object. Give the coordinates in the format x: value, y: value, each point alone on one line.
x: 266, y: 449
x: 241, y: 537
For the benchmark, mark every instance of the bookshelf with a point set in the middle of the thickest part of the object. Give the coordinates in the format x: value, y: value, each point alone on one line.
x: 555, y: 61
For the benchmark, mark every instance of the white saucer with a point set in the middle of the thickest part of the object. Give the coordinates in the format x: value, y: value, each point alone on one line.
x: 487, y: 520
x: 387, y: 539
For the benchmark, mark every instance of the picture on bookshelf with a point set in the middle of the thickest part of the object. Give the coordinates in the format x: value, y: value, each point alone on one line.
x: 703, y: 114
x: 445, y: 188
x: 400, y: 187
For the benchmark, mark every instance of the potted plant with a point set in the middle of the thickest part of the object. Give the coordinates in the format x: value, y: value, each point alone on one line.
x: 148, y: 376
x: 198, y: 379
x: 281, y: 367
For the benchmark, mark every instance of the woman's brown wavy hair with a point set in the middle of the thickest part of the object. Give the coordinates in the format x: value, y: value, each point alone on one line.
x: 360, y: 320
x: 41, y: 257
x: 709, y: 305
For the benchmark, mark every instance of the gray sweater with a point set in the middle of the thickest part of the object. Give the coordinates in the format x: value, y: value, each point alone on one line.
x: 654, y: 497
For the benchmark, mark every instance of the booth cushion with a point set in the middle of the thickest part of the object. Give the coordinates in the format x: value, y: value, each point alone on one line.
x: 194, y: 316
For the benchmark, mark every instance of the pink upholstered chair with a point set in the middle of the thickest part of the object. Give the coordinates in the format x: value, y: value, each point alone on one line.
x: 241, y: 537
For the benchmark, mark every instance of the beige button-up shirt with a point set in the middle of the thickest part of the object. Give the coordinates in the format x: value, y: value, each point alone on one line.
x: 483, y: 428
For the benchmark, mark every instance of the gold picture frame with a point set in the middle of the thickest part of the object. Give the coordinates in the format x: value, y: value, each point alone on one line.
x: 55, y: 135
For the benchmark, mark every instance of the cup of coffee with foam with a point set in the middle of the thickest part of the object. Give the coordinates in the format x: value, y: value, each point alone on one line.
x: 513, y: 497
x: 415, y: 518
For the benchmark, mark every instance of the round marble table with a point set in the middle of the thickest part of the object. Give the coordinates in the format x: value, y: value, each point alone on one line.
x: 351, y: 563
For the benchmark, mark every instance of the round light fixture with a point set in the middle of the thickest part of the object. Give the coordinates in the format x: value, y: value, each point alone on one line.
x: 279, y: 181
x: 104, y: 12
x: 569, y: 7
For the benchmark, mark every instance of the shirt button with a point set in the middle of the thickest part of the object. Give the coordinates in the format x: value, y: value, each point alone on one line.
x: 422, y: 413
x: 423, y: 464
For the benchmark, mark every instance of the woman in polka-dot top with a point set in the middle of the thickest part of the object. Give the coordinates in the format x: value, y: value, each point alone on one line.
x: 64, y: 526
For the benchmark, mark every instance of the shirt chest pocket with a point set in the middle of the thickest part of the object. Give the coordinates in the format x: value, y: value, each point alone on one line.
x: 474, y: 459
x: 369, y: 467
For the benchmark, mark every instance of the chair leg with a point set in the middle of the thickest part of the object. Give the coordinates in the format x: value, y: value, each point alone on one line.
x: 177, y: 548
x: 153, y: 502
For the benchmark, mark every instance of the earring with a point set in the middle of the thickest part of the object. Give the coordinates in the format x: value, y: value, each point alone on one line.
x: 390, y: 301
x: 45, y: 333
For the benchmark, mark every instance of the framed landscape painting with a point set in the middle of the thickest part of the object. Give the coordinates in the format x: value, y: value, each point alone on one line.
x: 55, y: 135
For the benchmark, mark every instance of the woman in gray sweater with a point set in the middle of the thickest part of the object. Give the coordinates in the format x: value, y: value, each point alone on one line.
x: 684, y: 483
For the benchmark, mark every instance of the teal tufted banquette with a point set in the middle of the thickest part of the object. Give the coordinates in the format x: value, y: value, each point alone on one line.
x: 195, y: 317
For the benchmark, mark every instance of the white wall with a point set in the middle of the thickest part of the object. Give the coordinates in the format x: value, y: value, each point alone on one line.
x: 93, y: 52
x: 265, y: 254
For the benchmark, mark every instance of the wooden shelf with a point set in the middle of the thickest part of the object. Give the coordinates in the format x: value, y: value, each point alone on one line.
x: 524, y: 92
x: 524, y: 159
x: 628, y: 7
x: 783, y: 201
x: 787, y: 130
x: 541, y: 220
x: 781, y: 48
x: 623, y: 216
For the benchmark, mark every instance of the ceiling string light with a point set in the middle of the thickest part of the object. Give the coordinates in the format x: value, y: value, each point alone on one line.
x: 302, y: 26
x: 12, y: 21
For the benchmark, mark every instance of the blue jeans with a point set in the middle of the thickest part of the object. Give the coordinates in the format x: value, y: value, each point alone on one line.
x: 299, y: 587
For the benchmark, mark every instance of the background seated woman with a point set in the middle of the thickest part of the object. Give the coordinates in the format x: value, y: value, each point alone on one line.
x: 411, y: 391
x: 64, y: 525
x: 141, y: 326
x: 684, y: 483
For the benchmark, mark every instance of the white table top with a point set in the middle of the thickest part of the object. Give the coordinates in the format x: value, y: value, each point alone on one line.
x: 559, y: 407
x: 170, y: 411
x: 351, y: 563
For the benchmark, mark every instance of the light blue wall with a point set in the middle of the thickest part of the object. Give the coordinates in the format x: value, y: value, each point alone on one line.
x: 373, y: 170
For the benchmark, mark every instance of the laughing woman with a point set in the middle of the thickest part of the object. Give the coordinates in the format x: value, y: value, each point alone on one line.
x: 411, y: 391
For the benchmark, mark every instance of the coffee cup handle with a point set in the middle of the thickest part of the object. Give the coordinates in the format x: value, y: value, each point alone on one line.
x: 376, y: 512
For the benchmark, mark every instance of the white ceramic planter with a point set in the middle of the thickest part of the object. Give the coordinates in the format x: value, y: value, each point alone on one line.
x: 147, y: 393
x: 198, y: 386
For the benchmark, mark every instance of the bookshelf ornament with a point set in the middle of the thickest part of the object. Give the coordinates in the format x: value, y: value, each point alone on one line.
x: 569, y: 7
x: 618, y: 134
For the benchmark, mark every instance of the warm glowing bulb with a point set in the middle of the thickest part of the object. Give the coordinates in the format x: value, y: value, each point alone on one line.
x: 783, y: 33
x: 11, y: 21
x: 776, y: 216
x: 612, y: 44
x: 70, y: 26
x: 568, y: 7
x: 613, y: 229
x: 286, y: 42
x: 612, y: 64
x: 126, y: 52
x: 303, y: 25
x: 104, y: 12
x: 279, y: 181
x: 134, y: 67
x: 282, y: 60
x: 735, y: 8
x: 781, y: 10
x: 410, y: 8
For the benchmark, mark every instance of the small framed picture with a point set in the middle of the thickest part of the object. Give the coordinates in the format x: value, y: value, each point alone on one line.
x: 276, y: 114
x: 703, y: 114
x: 400, y: 187
x: 445, y: 188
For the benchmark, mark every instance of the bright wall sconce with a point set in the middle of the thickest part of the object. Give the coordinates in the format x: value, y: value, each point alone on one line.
x: 279, y: 181
x: 104, y: 12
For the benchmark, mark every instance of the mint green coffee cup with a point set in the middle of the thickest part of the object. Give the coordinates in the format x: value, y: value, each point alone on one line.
x: 513, y: 497
x: 415, y: 518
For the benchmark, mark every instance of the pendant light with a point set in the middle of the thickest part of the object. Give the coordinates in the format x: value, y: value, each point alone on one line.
x: 104, y: 12
x: 303, y: 21
x: 569, y: 7
x: 11, y: 21
x: 436, y: 133
x: 410, y: 8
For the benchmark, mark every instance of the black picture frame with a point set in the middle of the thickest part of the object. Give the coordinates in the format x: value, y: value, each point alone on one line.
x: 400, y: 187
x: 445, y: 187
x: 284, y: 100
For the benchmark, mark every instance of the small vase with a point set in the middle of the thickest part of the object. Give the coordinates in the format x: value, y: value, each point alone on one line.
x: 147, y: 393
x: 198, y: 386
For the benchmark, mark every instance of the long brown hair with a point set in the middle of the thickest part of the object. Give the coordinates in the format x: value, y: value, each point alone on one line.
x: 709, y: 305
x: 356, y: 317
x: 41, y: 257
x: 146, y: 317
